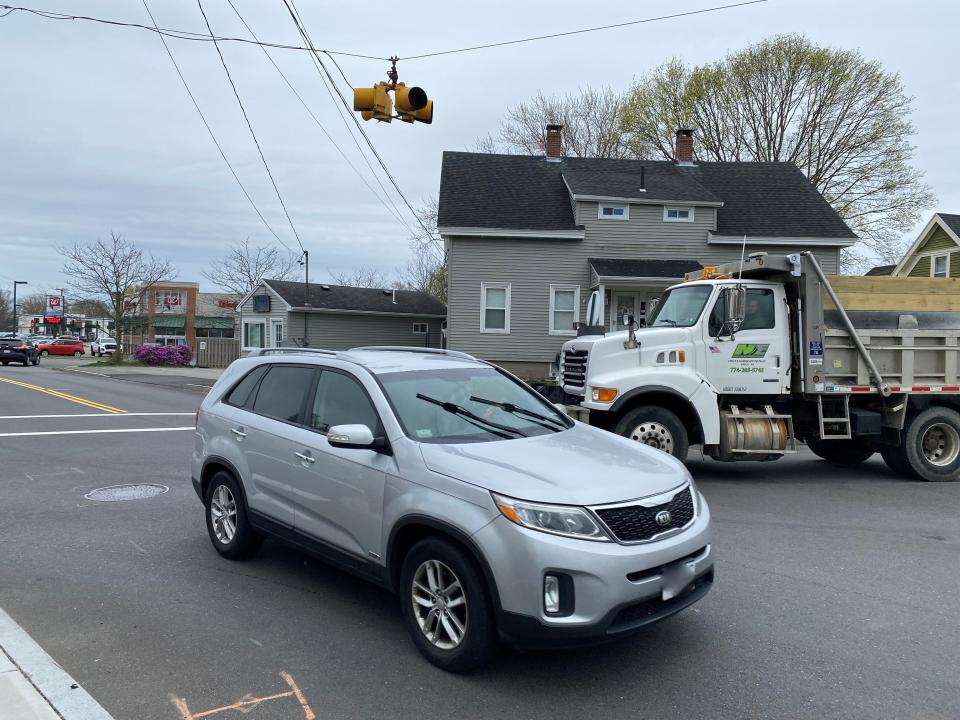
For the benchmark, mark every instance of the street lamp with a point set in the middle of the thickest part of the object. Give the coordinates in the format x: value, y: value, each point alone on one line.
x: 15, y: 283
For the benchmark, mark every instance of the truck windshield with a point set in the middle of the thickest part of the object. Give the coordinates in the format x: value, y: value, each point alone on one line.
x: 680, y: 307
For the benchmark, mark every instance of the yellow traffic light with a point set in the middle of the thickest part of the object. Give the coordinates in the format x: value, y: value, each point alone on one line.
x: 412, y: 104
x: 374, y: 103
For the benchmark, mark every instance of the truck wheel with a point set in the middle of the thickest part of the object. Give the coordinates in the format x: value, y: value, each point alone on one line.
x: 656, y: 427
x: 842, y: 452
x: 931, y: 444
x: 896, y: 460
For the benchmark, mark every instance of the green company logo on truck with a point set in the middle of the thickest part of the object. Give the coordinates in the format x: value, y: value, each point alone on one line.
x: 750, y: 350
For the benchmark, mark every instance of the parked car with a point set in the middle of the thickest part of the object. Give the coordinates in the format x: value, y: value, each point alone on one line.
x: 61, y: 346
x: 104, y: 346
x: 21, y: 350
x: 492, y: 514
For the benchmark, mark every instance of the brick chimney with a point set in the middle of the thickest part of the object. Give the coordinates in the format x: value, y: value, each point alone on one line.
x: 554, y: 143
x: 684, y: 146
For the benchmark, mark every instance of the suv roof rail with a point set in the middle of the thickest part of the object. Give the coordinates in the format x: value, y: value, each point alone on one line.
x: 283, y: 350
x: 405, y: 348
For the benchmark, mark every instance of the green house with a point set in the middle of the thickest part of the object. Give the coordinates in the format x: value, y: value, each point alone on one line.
x: 936, y: 251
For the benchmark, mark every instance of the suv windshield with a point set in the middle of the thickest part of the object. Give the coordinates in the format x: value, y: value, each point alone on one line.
x: 680, y: 307
x: 467, y: 405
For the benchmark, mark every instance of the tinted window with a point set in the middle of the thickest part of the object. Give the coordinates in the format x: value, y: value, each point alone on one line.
x: 759, y: 313
x: 241, y: 393
x: 340, y: 400
x: 281, y: 392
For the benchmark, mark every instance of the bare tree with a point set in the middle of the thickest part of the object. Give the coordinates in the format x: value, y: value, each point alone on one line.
x: 427, y: 268
x: 360, y: 277
x: 839, y: 117
x: 245, y: 266
x: 116, y: 270
x: 90, y: 307
x: 33, y: 304
x: 591, y: 125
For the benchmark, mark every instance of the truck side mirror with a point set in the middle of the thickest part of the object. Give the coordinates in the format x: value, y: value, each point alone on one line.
x: 594, y: 308
x: 736, y: 305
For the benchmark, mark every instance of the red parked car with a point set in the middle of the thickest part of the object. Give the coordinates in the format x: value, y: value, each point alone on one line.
x: 61, y: 347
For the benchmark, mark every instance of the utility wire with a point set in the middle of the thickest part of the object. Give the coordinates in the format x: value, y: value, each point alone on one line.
x: 393, y: 212
x: 167, y: 32
x: 327, y: 83
x: 291, y: 8
x: 213, y: 137
x: 585, y: 30
x: 246, y: 117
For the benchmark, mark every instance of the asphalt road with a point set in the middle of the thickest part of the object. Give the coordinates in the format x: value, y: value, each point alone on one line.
x: 836, y: 594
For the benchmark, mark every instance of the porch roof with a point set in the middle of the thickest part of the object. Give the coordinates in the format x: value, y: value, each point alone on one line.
x: 605, y: 270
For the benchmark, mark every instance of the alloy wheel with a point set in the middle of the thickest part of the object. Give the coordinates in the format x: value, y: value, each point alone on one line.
x: 439, y: 604
x: 223, y: 514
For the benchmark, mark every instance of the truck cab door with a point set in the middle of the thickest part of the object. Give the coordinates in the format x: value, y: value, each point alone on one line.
x: 755, y: 360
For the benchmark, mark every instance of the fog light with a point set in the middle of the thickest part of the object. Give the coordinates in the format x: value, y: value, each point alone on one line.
x: 551, y: 593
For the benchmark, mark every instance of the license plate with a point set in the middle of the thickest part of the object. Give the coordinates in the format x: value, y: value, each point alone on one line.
x: 675, y: 579
x: 6, y: 351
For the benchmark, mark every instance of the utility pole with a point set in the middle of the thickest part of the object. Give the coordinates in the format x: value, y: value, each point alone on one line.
x: 306, y: 294
x: 15, y: 283
x: 63, y: 309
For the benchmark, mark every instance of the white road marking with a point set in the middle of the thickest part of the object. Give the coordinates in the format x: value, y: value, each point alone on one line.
x: 29, y: 477
x: 77, y: 415
x: 198, y: 385
x: 94, y: 432
x: 256, y: 642
x: 136, y: 546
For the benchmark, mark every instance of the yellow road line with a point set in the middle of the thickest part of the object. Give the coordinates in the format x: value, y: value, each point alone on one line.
x: 65, y: 396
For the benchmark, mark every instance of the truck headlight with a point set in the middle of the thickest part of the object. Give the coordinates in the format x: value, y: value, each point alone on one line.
x: 566, y: 520
x: 604, y: 394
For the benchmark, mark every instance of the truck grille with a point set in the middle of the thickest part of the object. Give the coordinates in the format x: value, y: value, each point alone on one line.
x: 575, y: 369
x: 637, y: 523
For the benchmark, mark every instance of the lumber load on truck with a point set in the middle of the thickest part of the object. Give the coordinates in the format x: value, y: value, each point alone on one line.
x: 895, y: 294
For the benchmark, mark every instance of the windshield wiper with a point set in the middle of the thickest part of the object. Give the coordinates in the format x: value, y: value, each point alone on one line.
x: 666, y: 320
x: 542, y: 420
x: 488, y: 425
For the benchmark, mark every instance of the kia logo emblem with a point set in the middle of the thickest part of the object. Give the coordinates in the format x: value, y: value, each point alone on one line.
x: 663, y: 518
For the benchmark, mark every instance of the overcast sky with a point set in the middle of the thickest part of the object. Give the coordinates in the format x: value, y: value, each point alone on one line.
x: 98, y: 134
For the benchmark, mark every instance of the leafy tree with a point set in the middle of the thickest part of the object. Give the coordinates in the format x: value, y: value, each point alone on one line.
x: 117, y: 271
x: 6, y: 312
x: 245, y: 266
x: 841, y: 118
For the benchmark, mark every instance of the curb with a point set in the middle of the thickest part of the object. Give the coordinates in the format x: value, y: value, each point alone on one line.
x: 39, y: 681
x: 187, y: 387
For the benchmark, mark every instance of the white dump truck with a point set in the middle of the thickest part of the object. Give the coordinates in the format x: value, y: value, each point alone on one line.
x: 747, y: 359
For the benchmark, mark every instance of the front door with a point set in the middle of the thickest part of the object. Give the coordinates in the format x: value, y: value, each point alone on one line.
x: 756, y: 360
x: 339, y: 491
x: 624, y: 304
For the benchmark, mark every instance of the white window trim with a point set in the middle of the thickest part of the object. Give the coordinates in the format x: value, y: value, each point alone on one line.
x: 601, y: 216
x: 274, y: 321
x: 425, y: 326
x: 243, y: 333
x: 159, y: 307
x: 933, y: 263
x: 505, y: 330
x: 674, y: 207
x: 576, y: 308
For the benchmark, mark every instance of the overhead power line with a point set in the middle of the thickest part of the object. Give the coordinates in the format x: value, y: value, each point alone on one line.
x: 253, y: 135
x: 213, y: 137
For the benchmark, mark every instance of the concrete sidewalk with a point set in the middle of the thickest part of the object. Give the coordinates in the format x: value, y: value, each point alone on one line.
x: 33, y: 686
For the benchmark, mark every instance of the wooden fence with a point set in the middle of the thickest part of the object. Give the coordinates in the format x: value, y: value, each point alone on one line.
x: 215, y: 352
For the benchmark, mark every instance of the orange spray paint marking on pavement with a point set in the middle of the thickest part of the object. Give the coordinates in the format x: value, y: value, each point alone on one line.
x: 249, y: 702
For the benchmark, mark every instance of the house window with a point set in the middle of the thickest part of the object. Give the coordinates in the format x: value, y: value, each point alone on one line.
x: 276, y: 328
x: 168, y: 300
x: 614, y: 212
x: 419, y: 328
x: 564, y: 309
x: 940, y: 267
x: 495, y: 308
x: 678, y: 214
x: 253, y: 333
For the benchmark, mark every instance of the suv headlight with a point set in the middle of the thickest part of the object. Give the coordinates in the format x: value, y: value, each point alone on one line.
x: 566, y: 520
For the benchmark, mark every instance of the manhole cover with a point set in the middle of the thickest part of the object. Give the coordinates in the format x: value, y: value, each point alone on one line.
x: 116, y: 493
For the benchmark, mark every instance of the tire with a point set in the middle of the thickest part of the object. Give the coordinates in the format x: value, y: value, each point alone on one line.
x: 36, y: 360
x: 931, y: 444
x: 99, y: 354
x: 5, y: 363
x: 223, y: 494
x: 896, y: 460
x: 44, y: 353
x: 845, y: 453
x: 472, y: 618
x: 656, y: 427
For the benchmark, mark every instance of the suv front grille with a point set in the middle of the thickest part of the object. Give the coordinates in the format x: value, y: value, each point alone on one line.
x: 575, y: 369
x: 637, y: 523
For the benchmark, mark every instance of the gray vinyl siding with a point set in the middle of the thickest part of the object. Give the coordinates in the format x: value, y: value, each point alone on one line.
x: 278, y: 311
x: 532, y: 265
x: 341, y: 331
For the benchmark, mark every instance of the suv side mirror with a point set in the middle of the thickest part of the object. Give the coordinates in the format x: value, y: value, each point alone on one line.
x: 356, y: 436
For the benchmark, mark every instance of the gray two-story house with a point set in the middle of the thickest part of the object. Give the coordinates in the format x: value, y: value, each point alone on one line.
x: 528, y: 238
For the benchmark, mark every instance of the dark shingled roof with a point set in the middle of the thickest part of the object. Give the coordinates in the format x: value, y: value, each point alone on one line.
x: 952, y: 221
x: 641, y: 267
x: 880, y: 270
x: 341, y: 297
x: 523, y: 192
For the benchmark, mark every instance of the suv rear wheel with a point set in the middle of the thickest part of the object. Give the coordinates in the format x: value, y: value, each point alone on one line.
x: 446, y: 606
x: 230, y: 531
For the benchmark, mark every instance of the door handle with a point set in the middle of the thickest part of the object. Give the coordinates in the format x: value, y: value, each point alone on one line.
x: 238, y: 432
x: 306, y: 458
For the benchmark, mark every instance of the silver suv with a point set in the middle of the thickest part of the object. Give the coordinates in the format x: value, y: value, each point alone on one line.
x: 492, y: 514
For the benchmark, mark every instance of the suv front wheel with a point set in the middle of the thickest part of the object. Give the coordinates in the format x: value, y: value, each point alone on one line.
x: 446, y: 606
x: 227, y: 523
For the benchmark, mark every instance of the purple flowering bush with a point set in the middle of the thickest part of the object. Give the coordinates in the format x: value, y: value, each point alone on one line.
x: 163, y: 354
